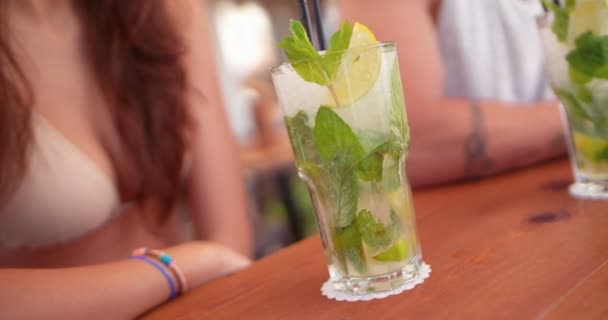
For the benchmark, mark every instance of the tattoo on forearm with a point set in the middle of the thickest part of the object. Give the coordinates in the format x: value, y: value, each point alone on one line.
x: 477, y: 162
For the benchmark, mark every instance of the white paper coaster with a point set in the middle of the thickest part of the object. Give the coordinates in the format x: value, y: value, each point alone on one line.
x: 328, y: 289
x: 586, y: 192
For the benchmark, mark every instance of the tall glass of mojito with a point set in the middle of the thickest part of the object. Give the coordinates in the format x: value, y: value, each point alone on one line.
x: 575, y: 36
x: 345, y: 113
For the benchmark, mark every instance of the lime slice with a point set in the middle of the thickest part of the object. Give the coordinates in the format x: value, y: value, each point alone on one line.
x: 593, y: 149
x: 359, y: 69
x: 399, y: 251
x: 588, y: 15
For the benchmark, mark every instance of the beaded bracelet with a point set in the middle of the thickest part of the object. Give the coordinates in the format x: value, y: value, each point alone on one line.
x: 161, y: 269
x: 168, y: 262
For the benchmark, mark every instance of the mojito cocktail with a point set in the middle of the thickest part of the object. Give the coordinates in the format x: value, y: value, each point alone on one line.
x: 345, y: 113
x: 575, y: 36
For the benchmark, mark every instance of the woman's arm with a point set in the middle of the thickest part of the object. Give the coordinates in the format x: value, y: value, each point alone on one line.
x: 217, y: 189
x: 119, y: 290
x: 454, y: 139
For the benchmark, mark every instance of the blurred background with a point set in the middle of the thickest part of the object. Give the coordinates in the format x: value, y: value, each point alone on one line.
x: 247, y: 33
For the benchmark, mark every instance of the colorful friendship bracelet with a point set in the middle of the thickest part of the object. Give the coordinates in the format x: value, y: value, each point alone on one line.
x: 168, y: 262
x: 161, y: 269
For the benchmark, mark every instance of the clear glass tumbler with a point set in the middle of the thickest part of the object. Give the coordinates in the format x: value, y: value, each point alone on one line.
x: 575, y: 38
x: 350, y: 142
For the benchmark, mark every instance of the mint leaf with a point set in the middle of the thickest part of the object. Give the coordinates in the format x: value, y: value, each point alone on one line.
x: 570, y: 5
x: 348, y: 246
x: 303, y: 57
x: 371, y: 166
x: 583, y: 94
x: 372, y: 231
x: 333, y: 136
x: 578, y: 77
x: 339, y: 150
x: 573, y: 106
x: 590, y: 57
x: 585, y: 39
x: 343, y: 188
x: 602, y: 72
x: 584, y: 117
x: 398, y: 252
x: 300, y: 134
x: 561, y: 22
x: 336, y: 183
x: 337, y: 45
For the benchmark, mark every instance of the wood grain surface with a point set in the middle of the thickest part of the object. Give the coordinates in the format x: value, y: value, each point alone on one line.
x: 515, y: 246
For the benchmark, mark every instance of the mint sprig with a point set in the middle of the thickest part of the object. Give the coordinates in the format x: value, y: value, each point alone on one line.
x: 570, y: 5
x: 370, y: 168
x: 561, y: 22
x: 338, y: 43
x: 342, y: 157
x: 348, y: 246
x: 339, y: 150
x: 303, y: 56
x: 366, y: 229
x: 374, y: 233
x: 343, y: 188
x: 336, y: 164
x: 590, y: 57
x: 301, y: 137
x: 307, y: 62
x: 332, y: 135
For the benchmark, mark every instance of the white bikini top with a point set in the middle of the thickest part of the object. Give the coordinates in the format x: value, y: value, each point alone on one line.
x: 63, y: 195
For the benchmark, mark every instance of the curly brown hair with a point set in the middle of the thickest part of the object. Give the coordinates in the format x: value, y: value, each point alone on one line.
x: 136, y: 52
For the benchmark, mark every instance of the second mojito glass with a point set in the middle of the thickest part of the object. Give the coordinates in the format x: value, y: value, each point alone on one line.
x: 576, y: 49
x: 350, y: 143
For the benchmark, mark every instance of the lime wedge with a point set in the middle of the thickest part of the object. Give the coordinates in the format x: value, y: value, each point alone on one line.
x: 399, y: 251
x: 359, y: 69
x: 588, y: 15
x: 593, y: 149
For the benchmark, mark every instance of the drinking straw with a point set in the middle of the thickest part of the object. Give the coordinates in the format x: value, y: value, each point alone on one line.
x: 545, y: 7
x: 319, y: 24
x: 305, y: 17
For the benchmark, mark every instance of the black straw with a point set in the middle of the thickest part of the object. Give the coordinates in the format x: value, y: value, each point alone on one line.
x: 319, y: 24
x: 305, y: 16
x: 545, y: 7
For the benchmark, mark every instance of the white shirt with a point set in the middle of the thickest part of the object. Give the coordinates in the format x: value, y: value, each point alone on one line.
x: 491, y: 49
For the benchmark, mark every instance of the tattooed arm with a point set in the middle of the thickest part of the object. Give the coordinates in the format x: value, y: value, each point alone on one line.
x: 458, y: 139
x: 454, y: 139
x: 475, y: 145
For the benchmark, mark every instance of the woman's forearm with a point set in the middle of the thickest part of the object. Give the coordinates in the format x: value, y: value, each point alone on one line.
x: 456, y: 139
x: 118, y: 290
